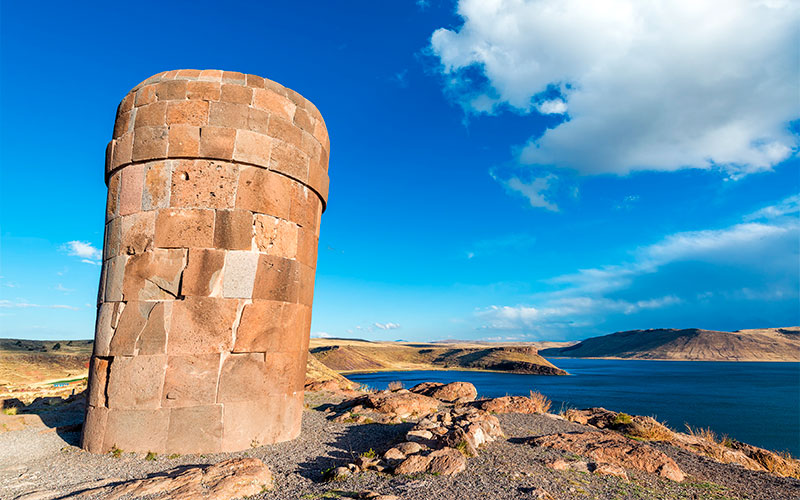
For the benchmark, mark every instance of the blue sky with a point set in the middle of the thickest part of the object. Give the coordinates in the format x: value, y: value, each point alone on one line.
x: 500, y: 170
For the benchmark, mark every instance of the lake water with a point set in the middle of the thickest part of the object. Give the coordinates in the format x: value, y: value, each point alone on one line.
x: 757, y: 403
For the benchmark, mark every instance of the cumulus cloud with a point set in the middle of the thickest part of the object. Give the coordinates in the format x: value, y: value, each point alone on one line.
x: 84, y: 250
x: 537, y: 190
x: 321, y: 335
x: 647, y: 85
x: 746, y: 262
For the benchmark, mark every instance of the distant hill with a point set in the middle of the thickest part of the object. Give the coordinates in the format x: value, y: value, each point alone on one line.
x: 37, y: 361
x: 347, y: 355
x: 766, y: 344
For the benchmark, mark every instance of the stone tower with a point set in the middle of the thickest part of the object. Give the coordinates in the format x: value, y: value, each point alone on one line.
x: 216, y: 184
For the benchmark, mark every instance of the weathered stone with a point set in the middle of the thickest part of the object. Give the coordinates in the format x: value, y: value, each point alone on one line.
x: 278, y: 237
x: 234, y: 478
x: 264, y: 192
x: 184, y: 228
x: 203, y: 273
x: 195, y: 429
x: 130, y: 194
x: 277, y: 279
x: 202, y: 325
x: 153, y: 275
x: 233, y: 230
x: 414, y: 464
x: 98, y: 370
x: 240, y: 273
x: 156, y: 185
x: 446, y: 461
x: 136, y: 382
x: 136, y: 231
x: 449, y: 392
x: 611, y: 470
x: 201, y: 183
x: 191, y: 380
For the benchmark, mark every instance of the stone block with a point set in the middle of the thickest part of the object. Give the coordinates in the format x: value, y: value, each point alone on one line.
x: 217, y: 142
x: 94, y: 430
x: 203, y: 183
x: 276, y: 236
x: 304, y: 207
x: 193, y: 112
x: 202, y: 325
x: 153, y: 338
x: 98, y: 378
x: 136, y: 232
x: 240, y: 273
x: 228, y: 114
x: 286, y: 372
x: 272, y: 419
x: 195, y: 429
x: 114, y: 274
x: 141, y: 431
x: 252, y: 147
x: 307, y: 244
x: 306, y: 291
x: 131, y: 185
x: 277, y: 279
x: 112, y: 201
x: 289, y: 160
x: 151, y: 115
x: 203, y: 274
x: 212, y: 75
x: 154, y: 275
x: 123, y: 151
x: 254, y: 81
x: 123, y: 123
x: 274, y: 103
x: 318, y: 181
x: 258, y: 121
x: 132, y: 321
x: 233, y: 229
x: 233, y: 77
x: 191, y: 380
x: 184, y: 140
x: 264, y: 192
x: 157, y: 179
x: 202, y: 90
x: 243, y: 377
x: 171, y: 90
x: 150, y: 143
x: 263, y: 327
x: 107, y: 318
x: 321, y: 133
x: 184, y: 228
x: 188, y: 73
x: 303, y: 120
x: 126, y: 105
x: 285, y: 130
x: 136, y: 382
x: 238, y: 94
x: 111, y: 245
x: 145, y: 95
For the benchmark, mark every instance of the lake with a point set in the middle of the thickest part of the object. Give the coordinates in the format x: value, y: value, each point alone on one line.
x: 757, y: 403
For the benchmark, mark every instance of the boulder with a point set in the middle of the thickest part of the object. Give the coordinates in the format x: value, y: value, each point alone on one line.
x: 454, y: 391
x: 611, y: 470
x: 403, y: 405
x: 615, y: 449
x: 446, y: 461
x: 509, y: 404
x: 233, y: 478
x: 415, y: 464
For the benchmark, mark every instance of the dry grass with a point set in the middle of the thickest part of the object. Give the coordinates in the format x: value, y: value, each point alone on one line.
x: 709, y: 435
x: 540, y: 402
x: 648, y: 428
x: 395, y: 385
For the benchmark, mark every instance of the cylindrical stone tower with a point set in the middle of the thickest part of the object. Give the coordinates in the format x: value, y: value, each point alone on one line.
x: 216, y: 183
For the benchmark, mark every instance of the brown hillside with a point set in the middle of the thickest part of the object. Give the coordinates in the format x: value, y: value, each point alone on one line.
x: 767, y: 344
x: 346, y: 355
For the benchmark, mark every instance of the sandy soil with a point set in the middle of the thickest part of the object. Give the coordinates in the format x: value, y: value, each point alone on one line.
x: 45, y: 460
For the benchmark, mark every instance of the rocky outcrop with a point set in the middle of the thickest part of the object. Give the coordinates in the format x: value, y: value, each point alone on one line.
x: 614, y: 449
x: 509, y: 404
x: 385, y: 407
x: 452, y: 392
x: 234, y: 478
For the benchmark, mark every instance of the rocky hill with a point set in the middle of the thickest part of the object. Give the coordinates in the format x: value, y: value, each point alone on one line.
x: 345, y: 355
x: 767, y: 344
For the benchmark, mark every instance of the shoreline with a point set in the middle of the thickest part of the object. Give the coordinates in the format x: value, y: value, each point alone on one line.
x: 615, y: 358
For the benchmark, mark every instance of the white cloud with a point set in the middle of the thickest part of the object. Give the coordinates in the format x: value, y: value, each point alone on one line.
x: 386, y: 326
x: 787, y: 206
x: 321, y: 335
x: 62, y: 288
x: 7, y: 304
x: 83, y: 249
x: 752, y: 261
x: 648, y: 85
x: 535, y: 191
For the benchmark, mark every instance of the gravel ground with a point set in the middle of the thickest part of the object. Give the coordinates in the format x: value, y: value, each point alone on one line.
x: 37, y: 460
